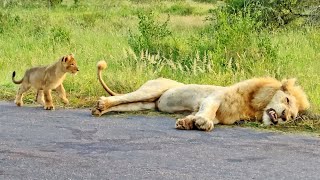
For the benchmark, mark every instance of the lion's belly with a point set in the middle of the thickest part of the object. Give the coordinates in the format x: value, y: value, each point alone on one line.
x: 185, y: 98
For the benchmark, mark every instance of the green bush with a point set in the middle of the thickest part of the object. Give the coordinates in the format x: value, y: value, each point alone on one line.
x: 53, y: 3
x: 206, y: 1
x: 60, y: 35
x: 231, y: 42
x: 273, y: 13
x: 180, y: 9
x: 8, y: 21
x: 152, y: 34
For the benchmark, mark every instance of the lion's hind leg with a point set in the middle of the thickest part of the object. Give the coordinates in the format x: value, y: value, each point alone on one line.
x: 149, y: 92
x: 137, y: 106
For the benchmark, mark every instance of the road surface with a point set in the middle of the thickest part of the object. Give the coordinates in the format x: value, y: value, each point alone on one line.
x: 71, y: 144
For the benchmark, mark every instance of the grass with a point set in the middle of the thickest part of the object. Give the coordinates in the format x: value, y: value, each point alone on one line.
x: 95, y: 30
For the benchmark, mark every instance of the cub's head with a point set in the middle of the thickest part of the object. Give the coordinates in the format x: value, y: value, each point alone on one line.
x: 286, y: 103
x: 69, y: 64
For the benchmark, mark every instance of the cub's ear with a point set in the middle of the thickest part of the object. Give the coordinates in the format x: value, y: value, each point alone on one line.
x: 288, y: 84
x: 64, y: 59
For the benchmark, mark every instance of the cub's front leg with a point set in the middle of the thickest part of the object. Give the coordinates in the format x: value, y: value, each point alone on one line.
x: 62, y: 94
x: 48, y: 105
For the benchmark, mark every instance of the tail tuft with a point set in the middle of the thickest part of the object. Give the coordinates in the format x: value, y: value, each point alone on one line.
x: 102, y: 65
x: 13, y: 74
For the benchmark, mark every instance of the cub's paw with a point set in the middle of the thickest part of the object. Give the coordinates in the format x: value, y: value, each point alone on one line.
x: 203, y: 124
x: 186, y: 123
x: 19, y: 103
x: 65, y: 101
x: 49, y: 107
x: 41, y: 102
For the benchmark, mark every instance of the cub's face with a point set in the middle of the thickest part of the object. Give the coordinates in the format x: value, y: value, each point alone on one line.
x: 70, y: 64
x: 282, y: 108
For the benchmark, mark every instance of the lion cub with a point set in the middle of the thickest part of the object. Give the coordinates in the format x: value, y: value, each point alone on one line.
x: 46, y: 78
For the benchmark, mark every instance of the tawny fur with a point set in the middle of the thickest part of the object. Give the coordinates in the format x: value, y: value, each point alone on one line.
x: 264, y: 99
x: 46, y: 78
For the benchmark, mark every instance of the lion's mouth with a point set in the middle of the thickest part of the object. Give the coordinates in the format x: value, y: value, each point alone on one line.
x: 272, y: 115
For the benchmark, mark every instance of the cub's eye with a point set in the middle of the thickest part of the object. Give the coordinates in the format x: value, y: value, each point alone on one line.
x: 283, y: 113
x: 288, y: 101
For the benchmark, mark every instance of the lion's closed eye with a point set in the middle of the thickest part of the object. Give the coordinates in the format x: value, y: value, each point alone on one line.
x: 288, y: 101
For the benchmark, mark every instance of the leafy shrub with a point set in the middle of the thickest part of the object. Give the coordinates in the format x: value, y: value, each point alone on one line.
x: 272, y: 13
x: 233, y: 42
x: 8, y: 21
x: 53, y: 3
x: 180, y: 9
x: 60, y: 35
x: 207, y: 1
x: 152, y: 34
x: 89, y: 19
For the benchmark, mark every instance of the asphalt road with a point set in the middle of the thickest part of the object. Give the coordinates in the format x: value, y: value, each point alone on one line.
x: 71, y: 144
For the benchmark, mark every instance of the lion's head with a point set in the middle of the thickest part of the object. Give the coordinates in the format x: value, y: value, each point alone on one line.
x: 285, y: 104
x: 70, y: 64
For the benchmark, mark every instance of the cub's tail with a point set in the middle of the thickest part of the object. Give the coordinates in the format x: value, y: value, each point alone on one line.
x: 101, y: 65
x: 14, y: 81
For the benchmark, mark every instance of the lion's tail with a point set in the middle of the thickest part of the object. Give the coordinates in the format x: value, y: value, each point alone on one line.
x: 101, y: 65
x: 15, y: 81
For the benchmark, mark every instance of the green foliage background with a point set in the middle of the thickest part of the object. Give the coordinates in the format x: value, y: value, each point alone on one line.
x: 200, y: 41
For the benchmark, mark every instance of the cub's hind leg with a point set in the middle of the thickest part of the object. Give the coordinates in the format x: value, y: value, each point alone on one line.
x: 40, y: 97
x: 22, y: 89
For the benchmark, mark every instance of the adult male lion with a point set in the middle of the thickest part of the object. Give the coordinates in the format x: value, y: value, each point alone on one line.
x: 265, y: 99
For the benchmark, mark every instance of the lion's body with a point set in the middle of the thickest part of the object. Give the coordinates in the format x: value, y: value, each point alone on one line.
x: 46, y: 78
x: 258, y: 98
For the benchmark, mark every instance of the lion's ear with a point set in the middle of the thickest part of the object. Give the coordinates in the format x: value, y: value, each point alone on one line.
x: 288, y: 84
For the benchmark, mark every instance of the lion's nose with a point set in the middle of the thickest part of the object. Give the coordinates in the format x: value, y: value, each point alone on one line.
x: 283, y: 117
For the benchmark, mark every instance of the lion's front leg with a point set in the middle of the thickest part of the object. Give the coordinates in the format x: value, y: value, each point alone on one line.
x: 186, y: 123
x: 205, y: 118
x: 204, y: 124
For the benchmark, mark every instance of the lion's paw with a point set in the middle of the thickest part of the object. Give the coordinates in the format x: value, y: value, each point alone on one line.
x: 203, y: 124
x: 103, y: 104
x: 95, y: 112
x: 186, y: 123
